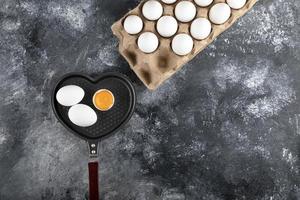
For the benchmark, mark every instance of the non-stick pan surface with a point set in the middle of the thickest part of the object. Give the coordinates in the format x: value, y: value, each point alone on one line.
x: 107, y: 121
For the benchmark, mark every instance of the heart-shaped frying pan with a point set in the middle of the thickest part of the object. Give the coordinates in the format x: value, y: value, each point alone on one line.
x: 107, y: 122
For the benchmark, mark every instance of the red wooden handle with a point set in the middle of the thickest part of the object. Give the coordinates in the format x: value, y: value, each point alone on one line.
x: 93, y: 181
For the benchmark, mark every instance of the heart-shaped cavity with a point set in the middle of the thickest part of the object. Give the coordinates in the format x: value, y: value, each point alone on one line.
x: 106, y: 121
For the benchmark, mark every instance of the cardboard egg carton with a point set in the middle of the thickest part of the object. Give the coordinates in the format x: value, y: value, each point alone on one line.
x: 154, y: 68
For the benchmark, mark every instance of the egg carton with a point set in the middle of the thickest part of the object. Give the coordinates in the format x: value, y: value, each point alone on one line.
x: 154, y: 68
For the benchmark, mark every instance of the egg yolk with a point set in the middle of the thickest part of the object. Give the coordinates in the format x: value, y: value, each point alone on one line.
x: 103, y: 99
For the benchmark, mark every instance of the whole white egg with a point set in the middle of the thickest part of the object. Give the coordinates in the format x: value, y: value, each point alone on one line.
x: 152, y: 10
x: 219, y: 13
x: 82, y: 115
x: 203, y: 3
x: 182, y: 44
x: 169, y: 1
x: 167, y: 26
x: 185, y: 11
x: 69, y: 95
x: 236, y: 4
x: 148, y: 42
x: 200, y: 28
x: 133, y: 24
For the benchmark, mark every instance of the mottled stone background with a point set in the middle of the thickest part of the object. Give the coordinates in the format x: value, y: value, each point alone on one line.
x: 225, y: 127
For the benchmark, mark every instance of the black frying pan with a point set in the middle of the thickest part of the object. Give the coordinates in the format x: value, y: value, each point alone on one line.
x: 107, y: 123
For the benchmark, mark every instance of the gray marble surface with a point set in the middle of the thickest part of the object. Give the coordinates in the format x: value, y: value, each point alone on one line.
x: 225, y: 127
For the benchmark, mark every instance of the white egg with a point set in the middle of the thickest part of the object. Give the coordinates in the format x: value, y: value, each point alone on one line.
x: 152, y: 10
x: 203, y: 3
x: 167, y: 26
x: 69, y: 95
x: 82, y: 115
x: 182, y: 44
x: 169, y: 1
x: 133, y: 24
x: 236, y: 4
x: 185, y: 11
x: 200, y: 28
x: 147, y: 42
x: 219, y: 13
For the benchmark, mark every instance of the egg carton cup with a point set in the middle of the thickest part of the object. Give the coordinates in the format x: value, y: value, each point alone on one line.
x: 154, y: 68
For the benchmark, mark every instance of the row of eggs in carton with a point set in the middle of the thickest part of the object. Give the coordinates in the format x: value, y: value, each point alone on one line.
x: 167, y: 26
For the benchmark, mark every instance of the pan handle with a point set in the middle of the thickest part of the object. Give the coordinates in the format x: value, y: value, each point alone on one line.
x: 93, y: 181
x: 93, y: 170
